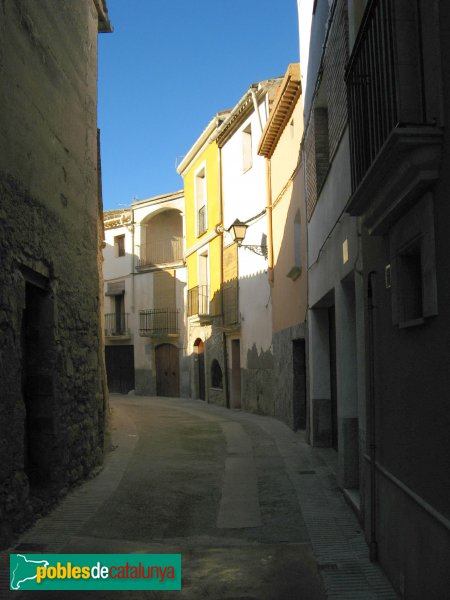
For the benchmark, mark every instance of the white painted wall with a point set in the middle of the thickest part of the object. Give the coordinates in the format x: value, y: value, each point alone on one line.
x: 305, y: 8
x: 244, y: 196
x: 139, y: 284
x: 117, y: 267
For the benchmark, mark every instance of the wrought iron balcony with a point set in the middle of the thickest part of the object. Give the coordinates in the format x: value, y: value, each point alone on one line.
x: 116, y: 324
x: 161, y: 252
x: 388, y: 114
x: 158, y: 322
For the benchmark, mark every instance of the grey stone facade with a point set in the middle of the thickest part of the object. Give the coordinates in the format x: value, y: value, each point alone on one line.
x: 214, y: 350
x: 257, y: 382
x: 289, y: 395
x: 52, y: 391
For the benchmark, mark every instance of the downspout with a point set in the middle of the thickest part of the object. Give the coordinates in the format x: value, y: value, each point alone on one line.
x: 269, y: 219
x: 133, y: 264
x: 308, y: 381
x: 256, y: 107
x: 219, y: 229
x: 373, y: 549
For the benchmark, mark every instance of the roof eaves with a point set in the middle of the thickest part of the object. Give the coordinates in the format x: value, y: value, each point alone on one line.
x: 104, y: 24
x: 289, y: 92
x: 161, y: 198
x: 243, y: 109
x: 205, y: 138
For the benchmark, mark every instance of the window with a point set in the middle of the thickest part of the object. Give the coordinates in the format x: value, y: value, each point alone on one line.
x: 119, y: 311
x: 247, y: 148
x: 119, y: 246
x: 297, y: 240
x: 203, y: 288
x: 296, y: 270
x: 413, y: 267
x: 200, y: 201
x: 410, y: 281
x: 216, y: 375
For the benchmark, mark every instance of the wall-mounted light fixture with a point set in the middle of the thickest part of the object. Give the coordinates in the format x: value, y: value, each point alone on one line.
x: 238, y: 229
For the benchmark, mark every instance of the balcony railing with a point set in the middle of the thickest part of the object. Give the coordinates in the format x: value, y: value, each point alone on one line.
x: 161, y: 252
x: 384, y: 80
x: 202, y: 226
x: 198, y: 301
x: 158, y: 322
x: 116, y: 324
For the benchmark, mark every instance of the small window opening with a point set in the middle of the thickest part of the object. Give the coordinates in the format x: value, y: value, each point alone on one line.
x: 200, y: 197
x: 247, y: 148
x: 119, y: 246
x: 410, y: 281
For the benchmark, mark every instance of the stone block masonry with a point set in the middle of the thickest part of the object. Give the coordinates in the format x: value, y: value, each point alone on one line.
x: 52, y: 387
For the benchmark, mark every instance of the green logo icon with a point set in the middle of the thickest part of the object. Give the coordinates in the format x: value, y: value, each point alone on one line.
x: 95, y: 572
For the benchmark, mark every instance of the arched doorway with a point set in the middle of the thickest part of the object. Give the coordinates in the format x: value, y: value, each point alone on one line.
x: 167, y: 370
x: 199, y: 357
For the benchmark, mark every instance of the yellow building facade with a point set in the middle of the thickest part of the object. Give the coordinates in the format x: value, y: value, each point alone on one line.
x: 200, y: 170
x: 203, y: 215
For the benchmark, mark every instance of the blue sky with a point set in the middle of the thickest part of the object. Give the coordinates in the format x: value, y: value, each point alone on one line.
x: 169, y: 66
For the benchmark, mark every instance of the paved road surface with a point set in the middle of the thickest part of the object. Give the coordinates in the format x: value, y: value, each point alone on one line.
x: 228, y: 490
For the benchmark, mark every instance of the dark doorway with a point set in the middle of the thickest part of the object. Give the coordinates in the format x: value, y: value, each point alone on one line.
x: 333, y: 381
x: 120, y: 314
x: 299, y: 399
x: 235, y: 374
x: 167, y: 370
x: 37, y: 381
x: 199, y: 348
x: 120, y: 368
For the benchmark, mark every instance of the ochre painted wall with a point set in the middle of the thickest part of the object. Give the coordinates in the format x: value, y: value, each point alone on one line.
x: 209, y: 157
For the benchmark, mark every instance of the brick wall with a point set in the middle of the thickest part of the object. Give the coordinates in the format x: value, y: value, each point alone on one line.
x: 335, y: 60
x: 329, y: 109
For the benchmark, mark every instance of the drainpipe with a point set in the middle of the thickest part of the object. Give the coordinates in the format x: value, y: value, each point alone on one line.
x: 308, y: 382
x: 373, y: 547
x: 269, y: 218
x: 219, y: 229
x: 133, y: 264
x: 256, y: 107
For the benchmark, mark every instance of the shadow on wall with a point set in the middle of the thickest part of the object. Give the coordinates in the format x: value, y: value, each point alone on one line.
x: 241, y: 313
x: 141, y: 316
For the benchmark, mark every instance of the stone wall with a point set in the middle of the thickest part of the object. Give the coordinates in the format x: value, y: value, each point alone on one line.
x: 289, y: 374
x: 257, y: 382
x: 52, y: 392
x: 214, y: 350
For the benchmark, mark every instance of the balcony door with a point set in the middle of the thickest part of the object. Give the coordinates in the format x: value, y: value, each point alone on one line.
x: 203, y: 287
x: 167, y: 370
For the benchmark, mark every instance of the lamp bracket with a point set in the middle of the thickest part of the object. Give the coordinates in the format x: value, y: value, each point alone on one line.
x: 260, y: 250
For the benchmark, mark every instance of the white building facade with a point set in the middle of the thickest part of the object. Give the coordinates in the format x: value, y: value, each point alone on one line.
x: 145, y: 281
x: 244, y: 198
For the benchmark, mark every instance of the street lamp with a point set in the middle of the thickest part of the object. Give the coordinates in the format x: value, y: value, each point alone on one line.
x: 238, y: 229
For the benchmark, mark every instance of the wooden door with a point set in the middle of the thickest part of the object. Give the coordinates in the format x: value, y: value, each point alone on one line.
x: 167, y: 370
x: 120, y: 368
x: 299, y: 399
x: 333, y: 377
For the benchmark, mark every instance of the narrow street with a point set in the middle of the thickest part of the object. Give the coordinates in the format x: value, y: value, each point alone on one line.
x: 253, y: 510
